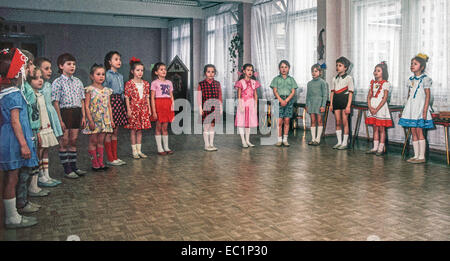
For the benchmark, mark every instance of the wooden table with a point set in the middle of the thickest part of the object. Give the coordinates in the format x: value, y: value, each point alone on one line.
x: 362, y: 108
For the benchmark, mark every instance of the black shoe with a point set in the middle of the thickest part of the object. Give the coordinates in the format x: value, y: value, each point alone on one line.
x: 97, y: 169
x: 104, y: 168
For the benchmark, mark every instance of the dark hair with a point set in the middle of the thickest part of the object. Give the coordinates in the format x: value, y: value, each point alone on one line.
x: 242, y: 76
x: 5, y: 63
x: 94, y: 67
x: 209, y: 66
x: 285, y: 62
x: 384, y: 69
x: 422, y: 61
x: 63, y: 58
x: 346, y: 62
x: 318, y: 67
x: 133, y: 65
x: 32, y: 75
x: 108, y: 58
x: 155, y: 68
x: 40, y: 60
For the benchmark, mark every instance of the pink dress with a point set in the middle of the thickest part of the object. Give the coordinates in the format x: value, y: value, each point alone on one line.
x: 248, y: 117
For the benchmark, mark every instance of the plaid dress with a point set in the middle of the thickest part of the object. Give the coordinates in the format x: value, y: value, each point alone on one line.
x: 210, y: 91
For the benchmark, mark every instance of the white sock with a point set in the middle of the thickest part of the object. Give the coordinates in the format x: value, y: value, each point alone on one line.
x: 339, y: 136
x: 42, y: 176
x: 280, y: 139
x: 376, y: 144
x: 138, y: 148
x: 33, y: 184
x: 416, y: 149
x: 11, y: 215
x: 158, y: 143
x: 241, y: 132
x: 134, y: 149
x: 345, y: 141
x: 166, y: 142
x: 313, y: 133
x: 319, y: 133
x: 206, y: 139
x: 211, y: 138
x: 381, y: 147
x: 46, y: 174
x: 422, y: 149
x: 285, y: 138
x: 247, y: 135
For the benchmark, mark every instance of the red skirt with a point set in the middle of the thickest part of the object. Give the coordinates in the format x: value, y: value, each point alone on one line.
x: 164, y: 110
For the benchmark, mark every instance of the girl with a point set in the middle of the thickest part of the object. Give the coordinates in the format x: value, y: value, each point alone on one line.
x: 316, y: 100
x: 114, y: 81
x: 68, y: 100
x: 416, y: 114
x: 211, y: 95
x: 138, y: 107
x: 247, y: 113
x: 284, y: 90
x: 46, y: 137
x: 162, y: 106
x: 379, y: 115
x: 46, y: 67
x: 98, y: 114
x: 341, y: 100
x: 17, y: 149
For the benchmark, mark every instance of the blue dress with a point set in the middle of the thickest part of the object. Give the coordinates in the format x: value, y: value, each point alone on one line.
x: 52, y: 115
x: 10, y: 155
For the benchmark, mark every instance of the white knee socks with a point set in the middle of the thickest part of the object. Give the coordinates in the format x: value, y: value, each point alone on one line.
x: 376, y: 144
x: 319, y: 133
x: 12, y: 217
x: 339, y: 136
x: 422, y: 148
x: 241, y: 132
x: 158, y: 143
x: 211, y: 138
x: 416, y: 149
x: 247, y: 137
x: 206, y: 139
x: 166, y: 142
x: 345, y: 141
x: 33, y: 184
x: 313, y: 134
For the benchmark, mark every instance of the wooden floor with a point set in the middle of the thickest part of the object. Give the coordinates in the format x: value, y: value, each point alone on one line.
x: 263, y: 193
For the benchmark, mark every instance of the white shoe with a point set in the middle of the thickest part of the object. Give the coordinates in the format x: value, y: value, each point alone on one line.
x: 121, y: 162
x: 209, y: 148
x: 249, y: 144
x: 336, y: 146
x: 142, y: 155
x: 136, y: 156
x: 114, y: 163
x: 244, y: 145
x: 285, y: 143
x: 213, y: 148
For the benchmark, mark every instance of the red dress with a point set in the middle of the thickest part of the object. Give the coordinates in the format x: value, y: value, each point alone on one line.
x: 140, y: 113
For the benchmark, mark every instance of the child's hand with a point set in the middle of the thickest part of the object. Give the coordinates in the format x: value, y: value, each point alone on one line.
x: 331, y: 107
x: 424, y: 115
x: 283, y: 103
x: 129, y: 114
x: 83, y: 122
x: 155, y: 116
x: 92, y: 125
x: 63, y: 126
x: 322, y: 109
x: 25, y: 152
x: 113, y: 125
x: 221, y: 109
x: 200, y: 110
x: 39, y: 139
x: 347, y: 110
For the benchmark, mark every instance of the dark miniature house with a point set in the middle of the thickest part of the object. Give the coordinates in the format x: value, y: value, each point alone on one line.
x: 178, y: 73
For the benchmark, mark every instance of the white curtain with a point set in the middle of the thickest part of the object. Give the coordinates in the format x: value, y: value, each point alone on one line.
x: 180, y: 41
x: 395, y: 31
x: 284, y: 29
x: 219, y: 30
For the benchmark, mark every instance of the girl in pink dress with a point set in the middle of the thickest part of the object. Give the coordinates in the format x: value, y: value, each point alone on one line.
x: 246, y: 115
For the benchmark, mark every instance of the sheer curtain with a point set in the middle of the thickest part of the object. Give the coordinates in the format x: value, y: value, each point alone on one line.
x: 284, y: 29
x: 219, y: 30
x: 395, y: 31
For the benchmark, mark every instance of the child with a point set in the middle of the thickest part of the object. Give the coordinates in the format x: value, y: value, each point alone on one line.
x: 46, y: 137
x: 137, y: 93
x: 341, y: 100
x: 316, y: 100
x: 162, y: 106
x: 284, y: 90
x: 98, y: 114
x: 247, y: 112
x: 17, y: 149
x: 114, y: 81
x: 379, y: 115
x: 416, y: 114
x: 68, y: 99
x: 46, y: 67
x: 211, y: 94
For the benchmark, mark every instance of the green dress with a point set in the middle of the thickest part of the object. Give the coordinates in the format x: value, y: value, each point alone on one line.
x: 317, y: 95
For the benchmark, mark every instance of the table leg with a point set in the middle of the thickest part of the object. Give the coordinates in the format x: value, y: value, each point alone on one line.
x: 367, y: 126
x: 358, y: 122
x: 406, y: 142
x: 446, y: 144
x: 304, y: 119
x: 327, y: 109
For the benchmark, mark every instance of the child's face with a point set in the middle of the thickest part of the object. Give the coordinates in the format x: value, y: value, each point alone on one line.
x: 340, y: 68
x: 161, y: 72
x: 210, y: 73
x: 284, y: 69
x: 415, y: 67
x: 37, y: 80
x: 315, y: 73
x: 248, y: 71
x: 46, y: 68
x: 68, y: 67
x: 115, y: 61
x: 138, y: 71
x: 98, y: 76
x: 30, y: 67
x: 378, y: 73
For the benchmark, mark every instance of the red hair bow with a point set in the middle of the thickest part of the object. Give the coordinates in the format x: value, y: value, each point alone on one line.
x: 134, y: 60
x: 17, y: 63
